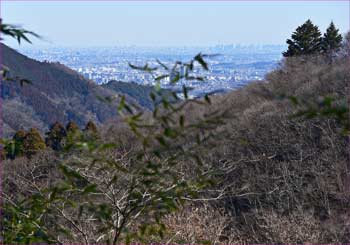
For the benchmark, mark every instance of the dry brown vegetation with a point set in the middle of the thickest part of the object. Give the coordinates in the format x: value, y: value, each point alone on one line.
x: 278, y: 179
x: 284, y: 179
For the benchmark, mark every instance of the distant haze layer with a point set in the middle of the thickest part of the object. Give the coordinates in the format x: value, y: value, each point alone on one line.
x: 89, y: 23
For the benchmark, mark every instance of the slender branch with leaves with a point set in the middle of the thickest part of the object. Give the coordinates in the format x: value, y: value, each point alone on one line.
x: 18, y: 33
x: 110, y: 195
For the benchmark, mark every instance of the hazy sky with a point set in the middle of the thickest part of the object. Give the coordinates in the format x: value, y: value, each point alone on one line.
x: 98, y: 23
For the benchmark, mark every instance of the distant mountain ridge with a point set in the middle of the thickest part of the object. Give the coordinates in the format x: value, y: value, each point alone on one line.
x: 138, y: 92
x: 56, y: 93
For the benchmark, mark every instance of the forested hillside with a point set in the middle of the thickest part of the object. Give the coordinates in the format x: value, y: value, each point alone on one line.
x: 279, y: 158
x: 140, y: 93
x: 55, y: 93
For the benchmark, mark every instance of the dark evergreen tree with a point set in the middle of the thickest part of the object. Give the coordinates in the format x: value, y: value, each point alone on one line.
x: 3, y: 152
x: 71, y: 127
x: 331, y: 40
x: 14, y: 148
x: 90, y: 127
x: 18, y: 139
x: 33, y: 143
x: 90, y: 131
x: 55, y: 136
x: 305, y: 40
x: 73, y: 133
x: 8, y: 150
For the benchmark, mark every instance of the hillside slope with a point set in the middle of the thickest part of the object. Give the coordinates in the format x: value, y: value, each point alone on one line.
x: 56, y: 93
x: 140, y: 93
x: 284, y: 179
x: 279, y: 178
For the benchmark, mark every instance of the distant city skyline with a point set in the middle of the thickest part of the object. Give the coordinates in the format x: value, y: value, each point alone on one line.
x: 172, y: 23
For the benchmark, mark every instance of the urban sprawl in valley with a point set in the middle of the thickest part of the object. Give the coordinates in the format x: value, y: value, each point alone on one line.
x: 233, y: 67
